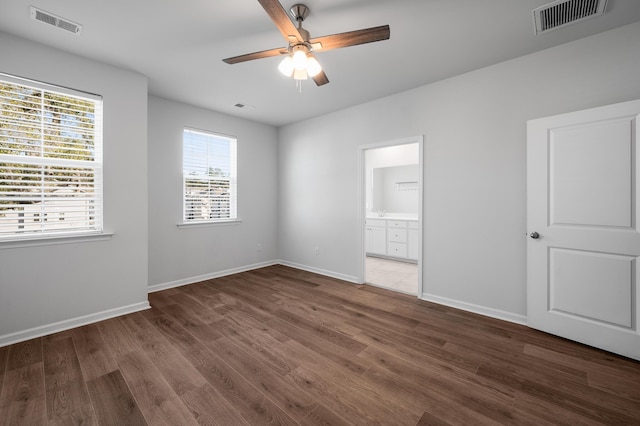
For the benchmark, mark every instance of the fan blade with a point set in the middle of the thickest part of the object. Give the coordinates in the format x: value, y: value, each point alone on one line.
x: 256, y: 55
x: 279, y: 17
x: 352, y: 38
x: 320, y: 78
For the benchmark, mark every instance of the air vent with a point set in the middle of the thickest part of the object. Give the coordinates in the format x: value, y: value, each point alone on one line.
x: 240, y: 105
x: 56, y: 21
x: 564, y: 12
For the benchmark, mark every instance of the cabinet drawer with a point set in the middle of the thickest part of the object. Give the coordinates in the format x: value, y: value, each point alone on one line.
x: 414, y: 224
x: 397, y: 235
x: 375, y: 222
x: 396, y: 249
x: 396, y: 224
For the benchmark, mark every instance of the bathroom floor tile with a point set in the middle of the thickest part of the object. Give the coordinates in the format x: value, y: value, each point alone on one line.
x: 391, y: 274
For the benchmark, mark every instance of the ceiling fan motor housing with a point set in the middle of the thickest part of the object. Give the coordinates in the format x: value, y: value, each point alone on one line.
x: 299, y: 12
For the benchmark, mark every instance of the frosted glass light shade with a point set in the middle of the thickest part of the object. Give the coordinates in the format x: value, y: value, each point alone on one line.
x: 299, y: 60
x: 286, y: 66
x: 313, y: 66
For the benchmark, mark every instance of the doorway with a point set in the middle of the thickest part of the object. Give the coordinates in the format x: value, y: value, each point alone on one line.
x: 390, y: 210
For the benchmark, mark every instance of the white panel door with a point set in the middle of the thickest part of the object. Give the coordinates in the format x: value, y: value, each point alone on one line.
x: 582, y: 224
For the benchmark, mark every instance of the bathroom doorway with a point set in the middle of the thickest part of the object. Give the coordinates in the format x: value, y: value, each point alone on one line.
x: 391, y: 215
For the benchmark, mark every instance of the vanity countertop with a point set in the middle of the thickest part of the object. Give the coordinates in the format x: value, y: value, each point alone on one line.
x: 393, y: 216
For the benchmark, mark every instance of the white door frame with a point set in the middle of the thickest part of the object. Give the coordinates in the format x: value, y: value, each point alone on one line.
x: 361, y: 202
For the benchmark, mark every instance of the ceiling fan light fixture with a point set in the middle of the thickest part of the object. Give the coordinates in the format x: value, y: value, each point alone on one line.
x: 299, y: 63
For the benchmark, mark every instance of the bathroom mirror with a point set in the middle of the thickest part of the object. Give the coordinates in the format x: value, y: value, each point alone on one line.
x: 395, y: 189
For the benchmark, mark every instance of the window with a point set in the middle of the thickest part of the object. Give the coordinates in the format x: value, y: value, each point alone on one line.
x: 209, y: 175
x: 50, y: 160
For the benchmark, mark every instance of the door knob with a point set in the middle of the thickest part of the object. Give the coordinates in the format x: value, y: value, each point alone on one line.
x: 534, y: 235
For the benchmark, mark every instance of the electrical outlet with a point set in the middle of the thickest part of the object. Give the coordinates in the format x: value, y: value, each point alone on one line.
x: 259, y: 247
x: 316, y: 250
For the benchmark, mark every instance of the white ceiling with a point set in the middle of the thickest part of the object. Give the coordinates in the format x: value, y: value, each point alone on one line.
x: 179, y: 46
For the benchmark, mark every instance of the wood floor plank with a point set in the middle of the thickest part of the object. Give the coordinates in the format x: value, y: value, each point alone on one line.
x: 253, y: 405
x: 160, y: 299
x: 24, y: 354
x: 257, y: 342
x: 320, y: 331
x: 577, y: 391
x: 4, y: 355
x: 201, y: 312
x: 338, y: 377
x: 94, y: 356
x: 157, y: 401
x: 428, y: 419
x: 113, y: 402
x: 433, y: 386
x: 327, y: 349
x: 621, y: 387
x: 354, y: 407
x: 517, y: 361
x: 118, y: 340
x: 317, y: 315
x: 22, y: 401
x: 181, y: 376
x: 582, y: 401
x: 279, y: 345
x: 556, y: 415
x: 67, y: 398
x: 209, y: 408
x: 321, y: 416
x: 289, y: 397
x: 425, y: 351
x: 199, y: 329
x: 624, y: 368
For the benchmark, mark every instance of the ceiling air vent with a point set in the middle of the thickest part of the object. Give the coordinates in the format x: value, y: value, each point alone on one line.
x: 56, y: 21
x: 241, y: 105
x: 564, y: 12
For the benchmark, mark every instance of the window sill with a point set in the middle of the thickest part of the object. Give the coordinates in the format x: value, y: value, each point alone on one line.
x: 205, y: 224
x: 42, y: 240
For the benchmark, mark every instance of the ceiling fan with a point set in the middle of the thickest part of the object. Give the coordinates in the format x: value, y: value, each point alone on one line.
x: 300, y: 62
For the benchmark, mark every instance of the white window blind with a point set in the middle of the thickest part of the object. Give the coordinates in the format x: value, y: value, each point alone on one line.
x: 50, y: 159
x: 209, y: 176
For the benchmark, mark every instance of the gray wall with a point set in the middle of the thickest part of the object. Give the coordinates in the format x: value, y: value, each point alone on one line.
x: 474, y: 128
x: 188, y: 254
x: 68, y: 284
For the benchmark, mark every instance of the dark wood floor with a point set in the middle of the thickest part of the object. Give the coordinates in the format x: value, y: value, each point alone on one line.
x: 282, y: 346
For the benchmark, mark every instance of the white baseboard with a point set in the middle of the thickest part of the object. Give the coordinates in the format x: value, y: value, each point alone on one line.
x: 197, y: 279
x: 476, y: 309
x: 319, y: 271
x: 32, y: 333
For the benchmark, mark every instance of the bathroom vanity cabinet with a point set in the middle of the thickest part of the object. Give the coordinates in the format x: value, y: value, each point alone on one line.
x: 392, y: 237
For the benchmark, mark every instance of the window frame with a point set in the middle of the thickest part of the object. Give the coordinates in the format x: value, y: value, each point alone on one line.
x: 94, y: 166
x: 232, y: 179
